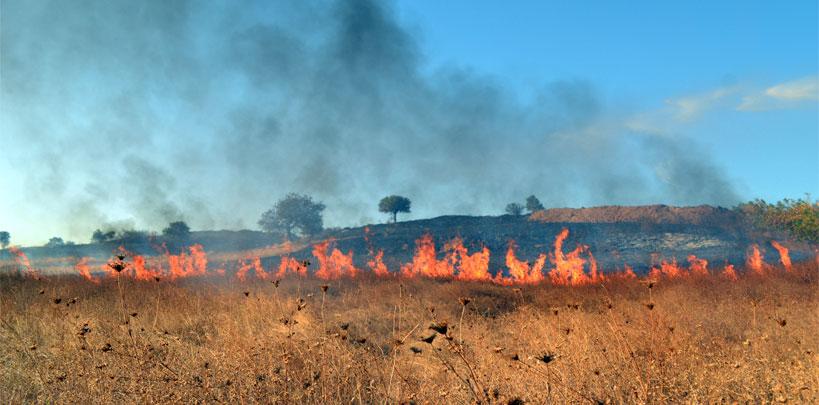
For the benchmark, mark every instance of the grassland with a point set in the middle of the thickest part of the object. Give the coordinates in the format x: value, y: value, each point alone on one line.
x: 696, y: 340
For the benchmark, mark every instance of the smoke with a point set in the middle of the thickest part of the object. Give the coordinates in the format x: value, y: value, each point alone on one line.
x: 157, y: 111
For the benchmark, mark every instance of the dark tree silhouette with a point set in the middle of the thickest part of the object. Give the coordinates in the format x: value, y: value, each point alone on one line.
x: 533, y: 204
x: 294, y: 215
x: 393, y: 205
x: 178, y: 230
x: 55, y: 242
x: 5, y: 239
x: 514, y: 209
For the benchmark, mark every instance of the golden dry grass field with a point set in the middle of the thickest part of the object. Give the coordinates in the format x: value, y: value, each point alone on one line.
x: 368, y: 340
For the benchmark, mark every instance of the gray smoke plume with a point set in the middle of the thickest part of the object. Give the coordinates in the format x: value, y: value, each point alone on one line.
x: 156, y: 111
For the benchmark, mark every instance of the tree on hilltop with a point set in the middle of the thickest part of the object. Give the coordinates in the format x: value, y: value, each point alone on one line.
x: 394, y: 204
x: 533, y: 204
x: 294, y: 215
x: 514, y: 208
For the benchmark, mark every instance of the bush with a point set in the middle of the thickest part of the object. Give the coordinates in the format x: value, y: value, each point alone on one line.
x: 800, y: 217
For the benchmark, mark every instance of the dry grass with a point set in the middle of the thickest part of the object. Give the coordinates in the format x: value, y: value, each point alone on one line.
x: 366, y: 341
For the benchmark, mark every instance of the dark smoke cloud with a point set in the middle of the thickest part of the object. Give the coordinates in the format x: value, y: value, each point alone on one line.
x: 208, y: 113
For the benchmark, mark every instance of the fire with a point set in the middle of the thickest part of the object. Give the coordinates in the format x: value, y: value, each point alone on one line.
x: 755, y: 261
x: 474, y: 267
x: 290, y: 265
x: 453, y: 261
x: 729, y: 272
x: 187, y: 265
x: 667, y: 269
x: 784, y: 256
x: 376, y: 261
x: 457, y: 263
x: 519, y: 271
x: 85, y: 271
x: 22, y: 261
x: 334, y: 265
x: 569, y: 268
x: 697, y: 267
x: 425, y: 262
x: 254, y: 264
x: 376, y: 264
x: 628, y: 273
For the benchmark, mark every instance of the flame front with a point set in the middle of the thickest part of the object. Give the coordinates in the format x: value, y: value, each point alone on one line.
x: 575, y: 268
x: 334, y: 265
x: 784, y: 255
x: 755, y: 261
x: 23, y: 261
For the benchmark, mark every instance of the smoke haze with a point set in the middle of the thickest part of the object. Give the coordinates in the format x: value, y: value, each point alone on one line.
x: 149, y: 112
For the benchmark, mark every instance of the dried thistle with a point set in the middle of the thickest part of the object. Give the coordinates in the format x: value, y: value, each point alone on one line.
x: 441, y: 327
x: 546, y: 357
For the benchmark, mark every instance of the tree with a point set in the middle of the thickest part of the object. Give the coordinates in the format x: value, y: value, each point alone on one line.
x: 294, y: 215
x: 800, y: 217
x: 514, y: 209
x: 533, y: 204
x: 5, y: 239
x: 101, y: 237
x: 393, y: 205
x: 178, y: 230
x: 55, y: 242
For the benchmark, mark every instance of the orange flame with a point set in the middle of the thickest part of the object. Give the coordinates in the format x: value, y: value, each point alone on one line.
x: 376, y: 261
x: 425, y: 263
x: 577, y: 267
x: 376, y: 264
x: 290, y: 265
x: 784, y: 256
x: 628, y: 273
x: 335, y: 265
x: 85, y: 270
x: 23, y: 261
x: 569, y: 268
x: 729, y: 272
x: 254, y: 264
x: 697, y: 267
x: 474, y: 267
x: 755, y: 261
x: 520, y: 272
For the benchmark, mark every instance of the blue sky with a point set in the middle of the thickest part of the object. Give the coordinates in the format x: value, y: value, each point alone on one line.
x: 132, y: 115
x: 646, y: 55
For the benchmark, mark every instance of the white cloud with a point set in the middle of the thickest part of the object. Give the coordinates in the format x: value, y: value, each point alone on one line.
x: 784, y: 95
x: 683, y: 109
x: 690, y: 107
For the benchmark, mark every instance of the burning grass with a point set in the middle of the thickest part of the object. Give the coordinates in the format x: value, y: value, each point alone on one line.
x: 370, y: 339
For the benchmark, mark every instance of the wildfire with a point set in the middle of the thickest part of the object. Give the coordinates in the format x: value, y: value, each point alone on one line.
x: 22, y: 261
x: 85, y: 270
x: 729, y: 272
x: 755, y: 261
x: 453, y: 261
x: 784, y: 256
x: 334, y: 265
x: 697, y: 266
x: 290, y: 265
